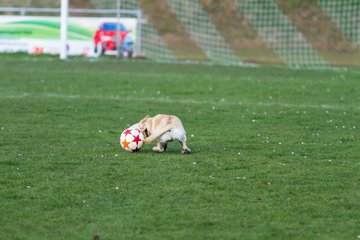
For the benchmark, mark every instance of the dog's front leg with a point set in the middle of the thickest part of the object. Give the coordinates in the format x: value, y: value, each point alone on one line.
x: 158, y: 148
x: 156, y: 134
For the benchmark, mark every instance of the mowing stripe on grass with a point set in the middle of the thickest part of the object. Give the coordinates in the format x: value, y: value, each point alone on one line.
x: 177, y: 101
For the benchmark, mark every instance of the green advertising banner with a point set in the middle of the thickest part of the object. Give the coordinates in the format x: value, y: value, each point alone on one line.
x: 86, y: 36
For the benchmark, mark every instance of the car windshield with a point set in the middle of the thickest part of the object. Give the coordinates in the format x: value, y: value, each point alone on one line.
x: 112, y: 27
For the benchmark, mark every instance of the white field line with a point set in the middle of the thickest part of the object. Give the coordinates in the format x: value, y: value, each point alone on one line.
x: 177, y: 101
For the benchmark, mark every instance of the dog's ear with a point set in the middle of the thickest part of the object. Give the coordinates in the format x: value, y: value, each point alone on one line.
x: 144, y: 119
x: 142, y: 122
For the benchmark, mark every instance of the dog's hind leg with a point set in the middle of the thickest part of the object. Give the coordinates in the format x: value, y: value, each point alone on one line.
x: 164, y: 146
x: 185, y: 149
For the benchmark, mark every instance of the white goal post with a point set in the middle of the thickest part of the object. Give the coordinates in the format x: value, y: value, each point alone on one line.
x: 63, y: 29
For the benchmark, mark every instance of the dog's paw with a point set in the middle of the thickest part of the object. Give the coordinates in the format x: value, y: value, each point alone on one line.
x: 157, y: 149
x: 186, y: 151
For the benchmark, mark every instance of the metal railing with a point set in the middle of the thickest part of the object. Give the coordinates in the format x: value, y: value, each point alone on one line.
x: 24, y: 11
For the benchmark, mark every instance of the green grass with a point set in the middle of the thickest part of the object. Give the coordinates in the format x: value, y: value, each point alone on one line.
x: 275, y: 152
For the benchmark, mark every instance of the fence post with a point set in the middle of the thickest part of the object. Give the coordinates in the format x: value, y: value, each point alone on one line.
x: 118, y: 29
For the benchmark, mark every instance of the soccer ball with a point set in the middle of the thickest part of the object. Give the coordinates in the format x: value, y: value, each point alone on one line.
x: 131, y: 140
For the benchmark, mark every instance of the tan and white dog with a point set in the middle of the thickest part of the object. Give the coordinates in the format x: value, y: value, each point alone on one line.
x: 163, y: 129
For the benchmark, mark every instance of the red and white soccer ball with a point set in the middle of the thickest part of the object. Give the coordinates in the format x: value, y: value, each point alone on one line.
x: 131, y: 140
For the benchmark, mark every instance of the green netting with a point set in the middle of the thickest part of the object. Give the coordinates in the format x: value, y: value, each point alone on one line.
x: 346, y: 14
x: 279, y: 33
x: 315, y: 33
x: 198, y: 24
x: 285, y: 27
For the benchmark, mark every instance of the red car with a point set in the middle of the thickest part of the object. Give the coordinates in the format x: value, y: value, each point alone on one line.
x: 105, y: 38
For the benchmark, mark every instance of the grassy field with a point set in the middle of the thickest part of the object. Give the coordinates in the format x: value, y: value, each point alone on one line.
x: 275, y: 152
